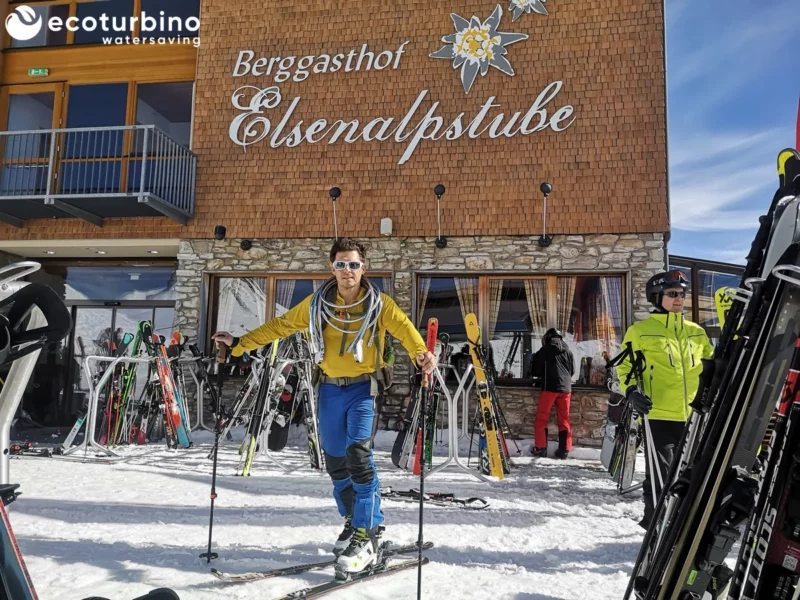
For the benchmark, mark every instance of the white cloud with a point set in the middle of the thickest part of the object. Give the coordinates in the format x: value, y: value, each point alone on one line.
x: 723, y: 181
x: 729, y: 255
x: 702, y: 148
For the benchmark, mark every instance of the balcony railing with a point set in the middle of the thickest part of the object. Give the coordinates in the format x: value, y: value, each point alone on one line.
x: 95, y: 173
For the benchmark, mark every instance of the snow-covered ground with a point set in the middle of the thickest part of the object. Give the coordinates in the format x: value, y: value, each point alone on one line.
x: 555, y: 530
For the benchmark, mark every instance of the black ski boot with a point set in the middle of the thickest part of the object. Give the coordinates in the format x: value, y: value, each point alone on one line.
x: 344, y: 538
x: 562, y: 445
x: 539, y: 452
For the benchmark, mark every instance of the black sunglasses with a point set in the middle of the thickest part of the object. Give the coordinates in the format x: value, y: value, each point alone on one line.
x: 675, y: 294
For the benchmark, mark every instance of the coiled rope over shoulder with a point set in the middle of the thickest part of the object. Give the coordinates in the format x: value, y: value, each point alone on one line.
x: 324, y: 309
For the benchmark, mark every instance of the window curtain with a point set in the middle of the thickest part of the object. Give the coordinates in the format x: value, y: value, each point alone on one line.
x: 612, y: 294
x: 495, y: 295
x: 536, y: 295
x: 566, y: 298
x: 284, y: 293
x: 422, y: 298
x: 467, y: 291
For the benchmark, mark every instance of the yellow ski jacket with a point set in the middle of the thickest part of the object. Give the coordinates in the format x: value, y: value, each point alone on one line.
x: 672, y: 348
x: 336, y: 362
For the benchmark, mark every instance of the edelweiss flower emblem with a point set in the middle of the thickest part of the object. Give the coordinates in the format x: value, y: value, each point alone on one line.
x: 476, y: 45
x: 520, y: 7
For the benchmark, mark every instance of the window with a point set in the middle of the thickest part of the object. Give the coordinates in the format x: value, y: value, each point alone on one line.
x: 706, y: 277
x: 242, y: 303
x: 89, y: 15
x: 517, y: 322
x: 589, y: 314
x: 515, y: 313
x: 46, y: 36
x: 708, y: 283
x: 109, y: 282
x: 168, y: 106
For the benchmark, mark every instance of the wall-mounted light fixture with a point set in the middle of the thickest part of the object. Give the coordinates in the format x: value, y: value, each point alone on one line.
x: 334, y: 193
x: 544, y: 239
x: 441, y: 241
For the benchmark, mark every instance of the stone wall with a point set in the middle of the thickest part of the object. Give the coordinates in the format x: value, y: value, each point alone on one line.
x: 640, y: 255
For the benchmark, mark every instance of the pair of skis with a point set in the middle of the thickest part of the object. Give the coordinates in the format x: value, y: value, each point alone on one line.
x: 413, y: 448
x: 382, y: 568
x: 493, y: 454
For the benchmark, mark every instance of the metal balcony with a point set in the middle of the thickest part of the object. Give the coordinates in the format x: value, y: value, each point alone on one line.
x: 95, y: 173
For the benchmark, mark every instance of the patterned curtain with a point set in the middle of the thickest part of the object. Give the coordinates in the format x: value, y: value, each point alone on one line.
x: 612, y: 294
x: 317, y: 283
x: 495, y: 295
x: 467, y: 290
x: 284, y: 295
x: 566, y: 298
x: 536, y: 295
x: 422, y: 298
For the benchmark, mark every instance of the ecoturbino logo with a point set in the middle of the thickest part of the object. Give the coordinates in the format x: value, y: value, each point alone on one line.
x: 24, y: 24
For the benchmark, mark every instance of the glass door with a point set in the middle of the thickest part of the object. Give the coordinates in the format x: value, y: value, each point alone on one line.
x: 27, y: 112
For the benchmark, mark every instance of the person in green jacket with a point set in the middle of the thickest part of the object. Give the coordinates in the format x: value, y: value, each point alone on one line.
x: 673, y: 348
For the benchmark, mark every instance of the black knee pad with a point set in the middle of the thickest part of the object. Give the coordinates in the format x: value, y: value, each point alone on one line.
x: 358, y: 464
x: 336, y: 466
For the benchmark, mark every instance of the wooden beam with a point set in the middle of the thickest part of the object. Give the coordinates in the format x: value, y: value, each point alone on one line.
x: 101, y: 64
x: 4, y: 38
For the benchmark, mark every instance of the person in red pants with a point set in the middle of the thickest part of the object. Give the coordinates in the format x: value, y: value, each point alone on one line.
x: 554, y: 365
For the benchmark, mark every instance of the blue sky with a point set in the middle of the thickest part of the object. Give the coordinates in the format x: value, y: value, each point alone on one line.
x: 733, y: 89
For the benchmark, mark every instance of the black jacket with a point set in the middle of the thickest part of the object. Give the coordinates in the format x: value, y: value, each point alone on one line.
x: 555, y: 366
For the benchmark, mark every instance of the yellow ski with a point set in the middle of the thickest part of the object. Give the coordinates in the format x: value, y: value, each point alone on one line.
x: 491, y: 461
x: 723, y: 302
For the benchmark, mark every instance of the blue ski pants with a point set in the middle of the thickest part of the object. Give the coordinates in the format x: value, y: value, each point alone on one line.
x: 346, y: 425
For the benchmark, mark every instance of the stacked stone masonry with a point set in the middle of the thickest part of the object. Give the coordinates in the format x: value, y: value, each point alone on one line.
x: 639, y: 255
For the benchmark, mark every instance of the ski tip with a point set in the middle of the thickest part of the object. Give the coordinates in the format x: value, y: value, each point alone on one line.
x: 788, y: 167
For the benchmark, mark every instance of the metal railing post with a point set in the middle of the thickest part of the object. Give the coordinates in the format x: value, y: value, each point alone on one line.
x: 51, y: 165
x: 144, y: 163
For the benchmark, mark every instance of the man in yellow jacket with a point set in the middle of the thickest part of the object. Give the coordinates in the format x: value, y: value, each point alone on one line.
x: 351, y: 365
x: 672, y: 348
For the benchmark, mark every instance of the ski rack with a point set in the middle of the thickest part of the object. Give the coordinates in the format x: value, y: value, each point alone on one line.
x: 94, y: 401
x: 200, y: 391
x: 465, y: 396
x: 452, y: 427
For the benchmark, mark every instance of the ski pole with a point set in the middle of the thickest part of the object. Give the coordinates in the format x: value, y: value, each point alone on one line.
x: 221, y: 353
x: 433, y: 331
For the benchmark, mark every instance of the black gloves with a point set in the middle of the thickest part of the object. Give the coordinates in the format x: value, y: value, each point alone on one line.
x: 640, y: 403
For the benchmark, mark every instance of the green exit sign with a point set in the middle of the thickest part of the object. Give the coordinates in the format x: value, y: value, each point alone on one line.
x: 38, y: 72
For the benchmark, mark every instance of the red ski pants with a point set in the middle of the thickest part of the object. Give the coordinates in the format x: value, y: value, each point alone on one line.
x: 546, y: 400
